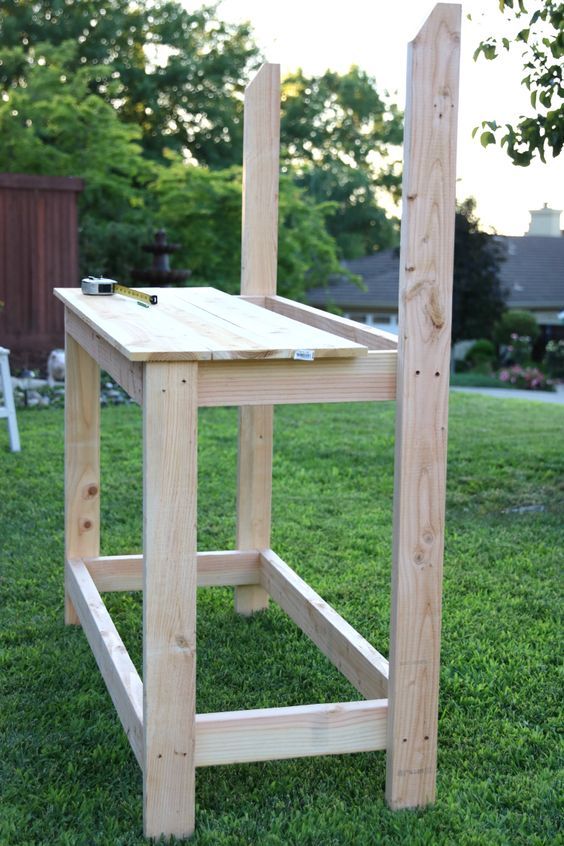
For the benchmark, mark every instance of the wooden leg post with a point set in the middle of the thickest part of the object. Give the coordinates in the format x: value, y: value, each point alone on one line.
x: 82, y: 459
x: 259, y: 253
x: 254, y: 495
x: 169, y: 600
x: 426, y: 262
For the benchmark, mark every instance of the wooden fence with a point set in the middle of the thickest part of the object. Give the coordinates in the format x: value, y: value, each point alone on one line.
x: 38, y: 251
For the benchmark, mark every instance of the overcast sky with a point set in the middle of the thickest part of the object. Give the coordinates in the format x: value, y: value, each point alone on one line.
x: 318, y: 34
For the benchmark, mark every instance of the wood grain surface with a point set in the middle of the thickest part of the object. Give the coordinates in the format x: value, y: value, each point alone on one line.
x: 426, y: 265
x: 200, y: 324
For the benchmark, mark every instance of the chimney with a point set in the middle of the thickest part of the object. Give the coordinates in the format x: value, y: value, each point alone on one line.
x: 545, y: 222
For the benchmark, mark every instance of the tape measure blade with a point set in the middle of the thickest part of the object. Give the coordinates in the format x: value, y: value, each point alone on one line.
x: 150, y: 299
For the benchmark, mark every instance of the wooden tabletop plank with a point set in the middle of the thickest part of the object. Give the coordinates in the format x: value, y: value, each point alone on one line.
x: 200, y: 324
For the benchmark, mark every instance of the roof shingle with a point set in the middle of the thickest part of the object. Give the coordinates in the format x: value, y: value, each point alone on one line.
x: 533, y: 274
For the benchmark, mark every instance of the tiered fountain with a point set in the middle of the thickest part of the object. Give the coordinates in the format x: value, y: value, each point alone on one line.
x: 160, y: 274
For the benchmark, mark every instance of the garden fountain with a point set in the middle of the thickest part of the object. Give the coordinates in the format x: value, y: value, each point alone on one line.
x: 160, y: 274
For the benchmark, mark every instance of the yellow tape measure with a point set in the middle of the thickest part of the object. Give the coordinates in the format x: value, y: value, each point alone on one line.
x: 100, y: 287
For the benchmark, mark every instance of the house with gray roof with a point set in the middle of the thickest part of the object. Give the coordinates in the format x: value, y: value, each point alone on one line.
x: 533, y: 275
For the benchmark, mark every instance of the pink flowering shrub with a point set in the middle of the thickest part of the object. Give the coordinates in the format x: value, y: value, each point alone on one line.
x: 519, y: 349
x: 527, y: 378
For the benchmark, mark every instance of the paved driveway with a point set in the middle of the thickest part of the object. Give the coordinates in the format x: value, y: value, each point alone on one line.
x: 508, y: 393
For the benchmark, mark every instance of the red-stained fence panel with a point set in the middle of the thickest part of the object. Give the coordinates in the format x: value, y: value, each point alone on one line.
x: 38, y: 251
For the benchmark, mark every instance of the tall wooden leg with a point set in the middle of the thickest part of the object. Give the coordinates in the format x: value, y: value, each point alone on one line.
x: 426, y: 262
x: 82, y: 459
x: 254, y: 495
x: 259, y: 251
x: 169, y: 598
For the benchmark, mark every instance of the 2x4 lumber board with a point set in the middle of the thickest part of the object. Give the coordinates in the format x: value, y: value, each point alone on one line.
x: 128, y: 374
x: 250, y: 298
x: 296, y: 732
x: 374, y: 339
x: 215, y: 569
x: 254, y: 496
x: 261, y: 164
x: 367, y: 379
x: 170, y: 417
x: 426, y: 266
x: 259, y: 258
x: 82, y: 459
x: 116, y: 667
x: 351, y: 654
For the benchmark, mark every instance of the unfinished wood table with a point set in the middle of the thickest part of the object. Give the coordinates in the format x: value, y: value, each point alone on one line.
x: 200, y: 347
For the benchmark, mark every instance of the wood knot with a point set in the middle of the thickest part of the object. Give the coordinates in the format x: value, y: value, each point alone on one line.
x: 414, y: 290
x: 91, y: 490
x: 419, y: 558
x: 184, y: 645
x: 434, y: 309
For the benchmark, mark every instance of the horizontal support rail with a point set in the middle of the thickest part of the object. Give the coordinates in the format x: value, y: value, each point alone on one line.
x: 117, y: 669
x: 360, y: 663
x: 125, y: 572
x: 374, y: 339
x: 368, y: 378
x: 343, y: 327
x: 365, y: 668
x: 237, y: 736
x: 276, y: 733
x: 128, y: 374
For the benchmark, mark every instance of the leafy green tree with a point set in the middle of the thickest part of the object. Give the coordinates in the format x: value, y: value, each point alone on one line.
x: 524, y: 324
x: 338, y: 135
x: 540, y: 25
x: 177, y: 75
x: 201, y: 208
x: 478, y: 296
x: 53, y: 125
x: 105, y: 90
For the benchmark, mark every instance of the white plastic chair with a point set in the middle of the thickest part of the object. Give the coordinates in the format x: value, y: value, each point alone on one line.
x: 8, y: 410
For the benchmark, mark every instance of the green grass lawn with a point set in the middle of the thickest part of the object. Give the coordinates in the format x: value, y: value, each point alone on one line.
x: 478, y: 380
x: 67, y: 775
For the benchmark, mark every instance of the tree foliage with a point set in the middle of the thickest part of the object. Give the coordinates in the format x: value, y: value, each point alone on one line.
x: 540, y: 35
x: 202, y: 209
x: 53, y: 125
x: 118, y: 92
x: 478, y: 297
x: 338, y: 136
x: 524, y: 324
x: 177, y: 75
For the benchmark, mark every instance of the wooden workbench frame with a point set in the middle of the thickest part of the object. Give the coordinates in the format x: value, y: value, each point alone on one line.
x: 399, y: 708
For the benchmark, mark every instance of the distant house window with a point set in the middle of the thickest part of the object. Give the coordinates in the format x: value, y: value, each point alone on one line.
x: 371, y: 318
